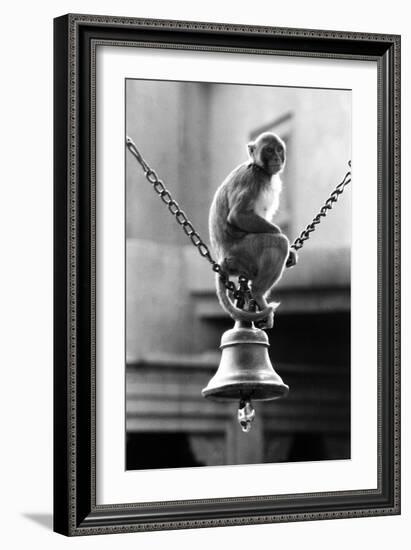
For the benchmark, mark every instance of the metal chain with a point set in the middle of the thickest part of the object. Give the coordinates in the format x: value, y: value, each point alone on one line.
x: 329, y: 203
x: 180, y: 216
x: 198, y: 242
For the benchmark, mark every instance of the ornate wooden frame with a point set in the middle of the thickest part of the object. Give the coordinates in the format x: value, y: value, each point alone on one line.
x: 75, y: 509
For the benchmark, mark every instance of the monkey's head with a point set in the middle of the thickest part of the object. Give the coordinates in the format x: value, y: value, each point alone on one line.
x: 268, y: 152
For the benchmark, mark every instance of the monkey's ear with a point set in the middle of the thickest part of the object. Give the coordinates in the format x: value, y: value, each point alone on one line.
x: 251, y: 149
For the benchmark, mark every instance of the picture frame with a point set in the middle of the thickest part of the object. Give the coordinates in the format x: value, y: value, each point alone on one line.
x: 76, y: 511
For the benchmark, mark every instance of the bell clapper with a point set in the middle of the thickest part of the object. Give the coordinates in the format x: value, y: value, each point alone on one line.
x: 245, y: 415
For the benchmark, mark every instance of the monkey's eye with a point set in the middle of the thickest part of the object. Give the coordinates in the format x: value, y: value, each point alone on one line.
x: 269, y: 150
x: 279, y: 149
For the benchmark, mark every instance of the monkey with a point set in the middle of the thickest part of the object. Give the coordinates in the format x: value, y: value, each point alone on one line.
x: 242, y: 236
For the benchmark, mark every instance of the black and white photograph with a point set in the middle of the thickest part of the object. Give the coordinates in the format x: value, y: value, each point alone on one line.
x: 202, y: 263
x: 238, y: 247
x: 226, y: 275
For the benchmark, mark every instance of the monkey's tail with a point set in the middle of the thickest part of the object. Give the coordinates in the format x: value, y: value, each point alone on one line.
x: 239, y: 314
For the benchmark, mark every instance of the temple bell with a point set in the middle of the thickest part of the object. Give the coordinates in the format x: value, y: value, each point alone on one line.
x: 245, y: 372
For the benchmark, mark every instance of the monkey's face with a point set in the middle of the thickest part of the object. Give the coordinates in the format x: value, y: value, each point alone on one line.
x: 268, y: 151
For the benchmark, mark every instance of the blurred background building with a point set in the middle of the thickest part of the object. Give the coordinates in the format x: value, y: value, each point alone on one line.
x: 193, y: 135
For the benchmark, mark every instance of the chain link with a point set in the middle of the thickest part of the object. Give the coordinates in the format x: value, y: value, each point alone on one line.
x: 329, y: 203
x: 180, y: 216
x: 198, y: 242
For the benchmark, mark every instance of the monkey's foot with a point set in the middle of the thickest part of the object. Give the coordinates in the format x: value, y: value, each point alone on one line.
x: 266, y: 323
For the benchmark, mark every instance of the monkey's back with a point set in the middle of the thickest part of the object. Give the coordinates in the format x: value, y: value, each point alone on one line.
x: 222, y: 234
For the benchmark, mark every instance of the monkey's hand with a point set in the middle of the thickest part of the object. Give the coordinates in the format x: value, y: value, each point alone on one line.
x: 292, y: 258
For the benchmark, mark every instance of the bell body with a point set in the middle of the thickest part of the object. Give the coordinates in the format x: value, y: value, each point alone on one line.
x: 245, y: 370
